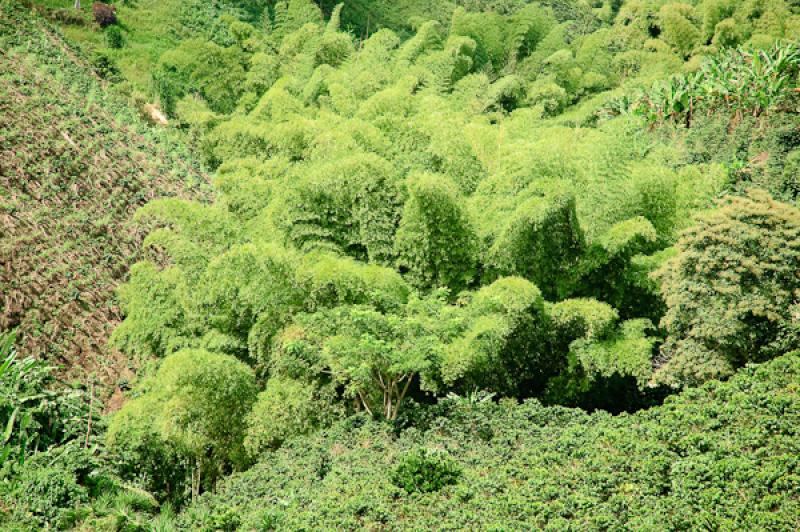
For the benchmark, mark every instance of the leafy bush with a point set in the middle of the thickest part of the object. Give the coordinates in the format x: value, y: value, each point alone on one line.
x: 214, y: 72
x: 284, y: 410
x: 505, y: 343
x: 195, y: 404
x: 114, y: 38
x: 44, y: 465
x: 435, y: 242
x: 425, y: 472
x: 731, y: 290
x: 49, y: 492
x: 35, y: 412
x: 105, y: 66
x: 702, y: 457
x: 69, y: 16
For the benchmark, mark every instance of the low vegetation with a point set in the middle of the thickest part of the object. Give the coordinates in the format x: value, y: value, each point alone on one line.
x: 720, y: 456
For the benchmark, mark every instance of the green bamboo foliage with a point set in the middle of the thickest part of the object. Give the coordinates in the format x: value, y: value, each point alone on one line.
x: 436, y: 244
x: 411, y: 200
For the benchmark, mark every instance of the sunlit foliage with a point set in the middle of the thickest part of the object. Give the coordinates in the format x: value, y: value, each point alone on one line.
x: 732, y: 290
x: 447, y: 206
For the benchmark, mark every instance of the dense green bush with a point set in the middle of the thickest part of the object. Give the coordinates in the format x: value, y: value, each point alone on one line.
x: 435, y: 243
x: 214, y: 72
x: 47, y: 470
x: 114, y: 37
x: 284, y: 410
x: 505, y: 345
x: 104, y: 65
x: 731, y: 291
x: 195, y: 407
x: 424, y: 471
x: 36, y: 412
x: 723, y: 455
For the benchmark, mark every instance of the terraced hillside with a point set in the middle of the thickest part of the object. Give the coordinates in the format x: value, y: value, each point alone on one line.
x: 75, y: 164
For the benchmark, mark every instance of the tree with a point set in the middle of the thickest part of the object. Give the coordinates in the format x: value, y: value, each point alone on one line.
x: 608, y: 271
x: 542, y: 242
x: 350, y: 204
x: 678, y: 28
x: 505, y: 344
x: 285, y: 409
x: 196, y: 403
x: 375, y: 357
x: 732, y: 290
x: 214, y: 72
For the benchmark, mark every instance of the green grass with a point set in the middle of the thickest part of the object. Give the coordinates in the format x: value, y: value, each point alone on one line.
x: 146, y: 27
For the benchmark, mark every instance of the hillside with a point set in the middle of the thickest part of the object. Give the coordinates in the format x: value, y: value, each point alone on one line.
x: 75, y: 164
x: 149, y: 28
x: 464, y: 264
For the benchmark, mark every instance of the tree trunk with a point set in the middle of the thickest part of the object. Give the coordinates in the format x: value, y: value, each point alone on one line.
x: 403, y: 394
x: 77, y: 4
x: 364, y: 402
x: 196, y: 482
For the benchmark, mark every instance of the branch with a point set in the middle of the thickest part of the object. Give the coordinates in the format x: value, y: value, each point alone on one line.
x: 403, y: 394
x: 364, y: 402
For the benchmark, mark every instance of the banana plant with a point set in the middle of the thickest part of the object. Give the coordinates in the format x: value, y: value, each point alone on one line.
x: 14, y: 422
x: 739, y: 81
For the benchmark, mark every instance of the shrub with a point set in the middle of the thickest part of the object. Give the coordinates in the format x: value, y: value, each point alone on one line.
x: 224, y: 518
x: 140, y: 455
x: 34, y: 412
x: 214, y: 72
x: 196, y: 403
x: 725, y: 450
x: 104, y: 14
x: 678, y: 30
x: 435, y: 242
x: 505, y: 346
x: 104, y: 65
x: 114, y: 38
x: 334, y: 49
x: 287, y: 408
x: 551, y: 96
x: 47, y: 491
x: 541, y: 242
x: 425, y: 471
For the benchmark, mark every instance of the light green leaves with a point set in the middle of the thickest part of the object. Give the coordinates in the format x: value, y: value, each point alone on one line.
x: 436, y: 244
